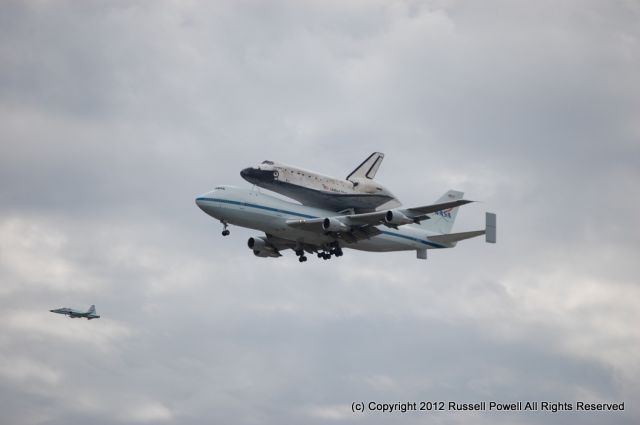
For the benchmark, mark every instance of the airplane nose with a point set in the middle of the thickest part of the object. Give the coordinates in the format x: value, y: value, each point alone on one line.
x: 200, y: 202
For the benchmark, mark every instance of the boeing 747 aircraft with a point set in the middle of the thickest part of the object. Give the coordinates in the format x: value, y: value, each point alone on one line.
x: 358, y: 191
x: 89, y: 314
x: 305, y: 229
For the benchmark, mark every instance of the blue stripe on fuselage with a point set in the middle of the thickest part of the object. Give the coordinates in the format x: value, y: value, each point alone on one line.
x: 297, y: 214
x: 262, y: 207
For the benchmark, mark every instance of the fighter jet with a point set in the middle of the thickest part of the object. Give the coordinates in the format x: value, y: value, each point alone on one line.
x: 89, y: 314
x: 358, y: 192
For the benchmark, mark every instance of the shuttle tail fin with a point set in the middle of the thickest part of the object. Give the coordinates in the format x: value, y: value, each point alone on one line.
x: 442, y: 221
x: 368, y: 168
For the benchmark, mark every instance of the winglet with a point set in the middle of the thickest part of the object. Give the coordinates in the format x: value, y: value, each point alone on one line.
x: 368, y: 168
x: 490, y: 227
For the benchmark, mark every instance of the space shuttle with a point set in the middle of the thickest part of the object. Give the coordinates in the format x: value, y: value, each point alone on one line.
x: 358, y: 192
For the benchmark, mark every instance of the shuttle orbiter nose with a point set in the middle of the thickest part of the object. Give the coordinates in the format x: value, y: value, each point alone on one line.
x: 254, y: 175
x: 245, y: 173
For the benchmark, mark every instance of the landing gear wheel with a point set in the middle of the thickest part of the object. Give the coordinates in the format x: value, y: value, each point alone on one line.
x: 301, y: 256
x: 225, y: 231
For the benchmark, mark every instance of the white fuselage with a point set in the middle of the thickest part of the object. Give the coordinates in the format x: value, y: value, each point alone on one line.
x: 317, y: 190
x: 255, y: 210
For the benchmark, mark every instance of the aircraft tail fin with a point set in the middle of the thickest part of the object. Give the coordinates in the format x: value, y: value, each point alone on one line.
x: 92, y: 309
x: 442, y: 221
x: 368, y: 168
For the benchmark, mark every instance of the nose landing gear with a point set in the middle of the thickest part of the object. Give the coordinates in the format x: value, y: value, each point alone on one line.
x: 225, y: 231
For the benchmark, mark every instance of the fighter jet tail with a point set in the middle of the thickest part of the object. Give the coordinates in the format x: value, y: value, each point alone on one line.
x: 368, y: 168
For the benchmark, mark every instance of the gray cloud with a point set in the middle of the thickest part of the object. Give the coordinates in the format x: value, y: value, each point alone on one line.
x: 115, y: 115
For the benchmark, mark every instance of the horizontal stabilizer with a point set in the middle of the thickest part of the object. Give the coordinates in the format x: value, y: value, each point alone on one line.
x: 452, y: 238
x: 455, y: 237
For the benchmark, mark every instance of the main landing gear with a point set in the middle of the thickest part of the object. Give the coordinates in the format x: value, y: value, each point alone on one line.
x: 225, y: 231
x: 301, y: 257
x: 326, y: 254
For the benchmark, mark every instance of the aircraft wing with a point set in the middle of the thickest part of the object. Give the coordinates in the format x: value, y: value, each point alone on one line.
x: 375, y: 218
x: 420, y: 213
x: 312, y: 225
x: 281, y: 244
x: 416, y: 214
x: 353, y: 231
x: 354, y: 227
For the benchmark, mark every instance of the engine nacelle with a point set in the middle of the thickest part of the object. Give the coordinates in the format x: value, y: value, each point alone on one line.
x: 257, y: 243
x: 261, y: 248
x: 264, y: 254
x: 334, y: 225
x: 396, y: 218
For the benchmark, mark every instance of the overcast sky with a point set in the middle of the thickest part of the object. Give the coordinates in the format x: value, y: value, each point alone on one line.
x: 115, y: 115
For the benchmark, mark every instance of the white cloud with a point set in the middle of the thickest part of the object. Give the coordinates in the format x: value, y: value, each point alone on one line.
x: 24, y: 370
x: 33, y: 255
x: 147, y: 412
x: 331, y: 412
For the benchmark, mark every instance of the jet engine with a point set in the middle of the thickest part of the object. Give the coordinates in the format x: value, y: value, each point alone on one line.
x: 396, y: 218
x: 264, y: 254
x: 334, y: 225
x: 262, y: 248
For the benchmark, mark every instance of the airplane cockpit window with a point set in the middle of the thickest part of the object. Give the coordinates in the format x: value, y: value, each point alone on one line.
x: 266, y: 162
x: 219, y: 188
